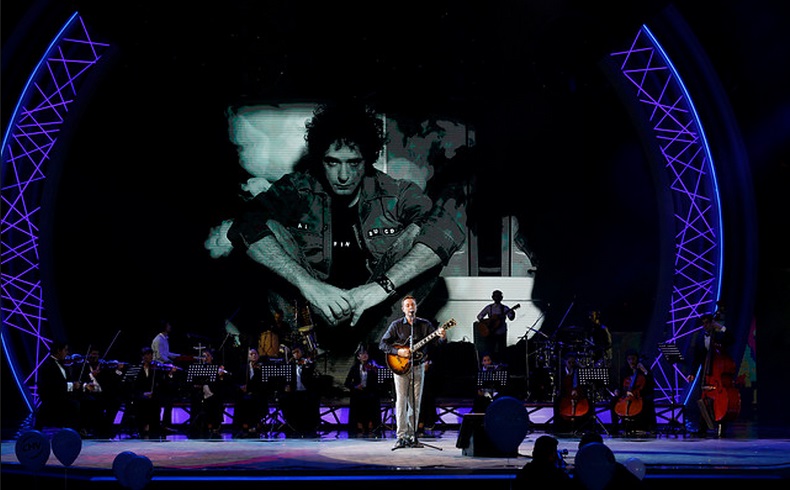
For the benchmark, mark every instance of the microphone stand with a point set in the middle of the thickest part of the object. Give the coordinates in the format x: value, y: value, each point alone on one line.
x: 526, y: 351
x: 415, y: 408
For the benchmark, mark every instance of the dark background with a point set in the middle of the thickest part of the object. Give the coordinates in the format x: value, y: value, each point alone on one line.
x: 148, y: 169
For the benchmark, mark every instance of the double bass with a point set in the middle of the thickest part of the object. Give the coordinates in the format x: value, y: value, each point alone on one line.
x: 630, y: 404
x: 720, y: 398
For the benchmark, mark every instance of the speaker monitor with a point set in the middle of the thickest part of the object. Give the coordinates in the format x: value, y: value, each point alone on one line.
x: 496, y: 433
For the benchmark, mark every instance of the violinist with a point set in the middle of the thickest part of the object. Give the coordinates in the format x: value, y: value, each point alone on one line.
x: 147, y: 386
x: 251, y: 398
x: 634, y: 398
x: 364, y: 411
x: 208, y: 400
x: 301, y: 397
x: 57, y: 390
x: 100, y: 397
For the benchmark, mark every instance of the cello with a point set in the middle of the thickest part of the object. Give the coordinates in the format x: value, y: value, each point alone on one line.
x: 720, y: 398
x: 630, y: 404
x: 574, y: 403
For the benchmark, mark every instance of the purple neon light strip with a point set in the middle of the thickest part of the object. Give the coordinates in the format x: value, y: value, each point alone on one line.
x: 31, y: 137
x: 678, y: 135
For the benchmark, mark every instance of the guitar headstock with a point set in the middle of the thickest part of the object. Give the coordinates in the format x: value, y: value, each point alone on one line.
x: 448, y: 324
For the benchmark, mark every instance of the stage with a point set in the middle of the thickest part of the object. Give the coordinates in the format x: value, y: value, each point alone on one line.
x: 744, y: 452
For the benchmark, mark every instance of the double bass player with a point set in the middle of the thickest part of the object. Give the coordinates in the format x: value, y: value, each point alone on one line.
x: 718, y: 401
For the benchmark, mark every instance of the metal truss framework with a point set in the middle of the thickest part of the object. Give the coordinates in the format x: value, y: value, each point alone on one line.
x: 678, y: 133
x: 28, y: 145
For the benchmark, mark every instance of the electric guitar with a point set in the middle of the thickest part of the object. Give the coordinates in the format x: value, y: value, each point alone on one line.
x: 402, y: 365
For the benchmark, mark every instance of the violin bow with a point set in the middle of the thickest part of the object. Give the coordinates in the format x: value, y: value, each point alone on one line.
x: 107, y: 352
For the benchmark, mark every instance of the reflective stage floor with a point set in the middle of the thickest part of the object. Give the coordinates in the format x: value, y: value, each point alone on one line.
x: 744, y: 454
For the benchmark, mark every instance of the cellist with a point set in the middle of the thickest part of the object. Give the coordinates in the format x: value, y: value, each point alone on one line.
x: 572, y: 409
x: 712, y: 343
x: 635, y: 405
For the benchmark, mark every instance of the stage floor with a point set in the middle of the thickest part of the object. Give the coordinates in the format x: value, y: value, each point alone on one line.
x: 335, y: 460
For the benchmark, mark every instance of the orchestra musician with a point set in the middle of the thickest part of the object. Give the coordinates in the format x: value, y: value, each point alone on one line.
x: 301, y: 398
x: 251, y: 401
x: 208, y: 400
x: 634, y: 397
x: 572, y: 408
x: 487, y: 391
x: 146, y: 400
x: 712, y: 359
x: 100, y: 397
x: 162, y: 354
x: 57, y: 391
x: 364, y: 411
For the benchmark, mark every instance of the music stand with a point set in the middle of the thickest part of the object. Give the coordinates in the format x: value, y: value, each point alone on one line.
x: 202, y: 373
x: 271, y: 372
x: 672, y: 354
x: 595, y: 376
x: 495, y: 378
x: 131, y: 374
x: 276, y: 375
x: 385, y: 378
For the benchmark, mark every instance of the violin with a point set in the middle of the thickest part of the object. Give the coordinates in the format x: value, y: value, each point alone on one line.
x: 73, y: 359
x: 370, y: 366
x: 162, y: 365
x: 113, y: 364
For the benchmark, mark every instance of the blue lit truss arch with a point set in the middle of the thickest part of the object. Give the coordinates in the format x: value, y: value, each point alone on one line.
x: 29, y: 143
x: 690, y: 177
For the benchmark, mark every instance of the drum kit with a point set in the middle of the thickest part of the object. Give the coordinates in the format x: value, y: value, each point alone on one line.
x: 549, y: 353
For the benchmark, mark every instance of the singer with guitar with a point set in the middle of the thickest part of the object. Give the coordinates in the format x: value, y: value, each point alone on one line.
x: 491, y: 326
x: 407, y: 344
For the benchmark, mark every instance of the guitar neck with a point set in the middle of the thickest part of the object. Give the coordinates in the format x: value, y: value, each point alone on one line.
x: 433, y: 335
x: 424, y: 341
